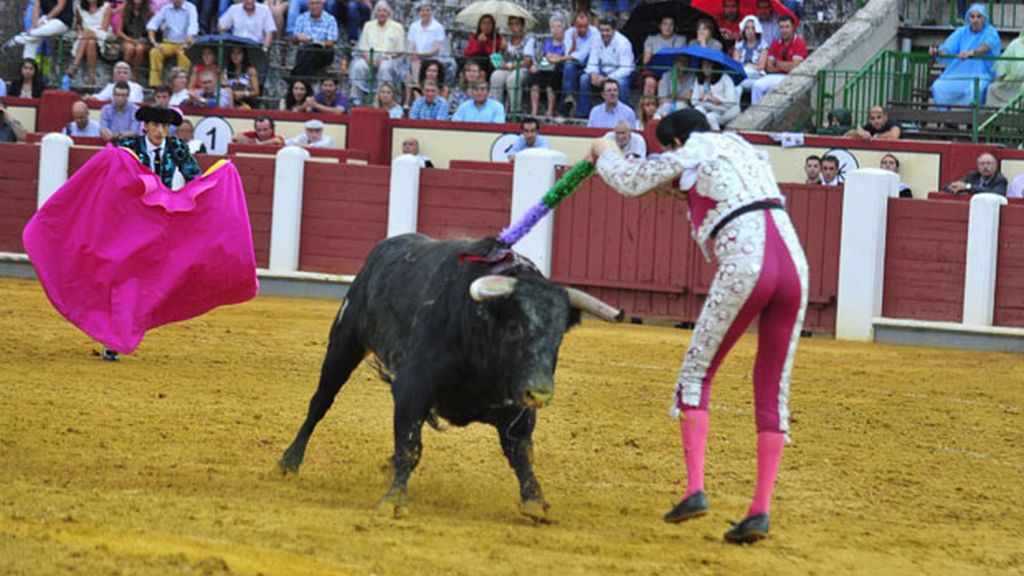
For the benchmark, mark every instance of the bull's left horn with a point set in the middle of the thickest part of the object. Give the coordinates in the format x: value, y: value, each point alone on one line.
x: 587, y: 303
x: 493, y: 286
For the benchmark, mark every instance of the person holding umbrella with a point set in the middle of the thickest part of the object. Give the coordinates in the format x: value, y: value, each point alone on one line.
x: 484, y: 44
x: 179, y: 23
x: 715, y: 95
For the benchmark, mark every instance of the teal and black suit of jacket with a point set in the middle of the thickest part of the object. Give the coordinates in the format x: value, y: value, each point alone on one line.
x: 175, y: 154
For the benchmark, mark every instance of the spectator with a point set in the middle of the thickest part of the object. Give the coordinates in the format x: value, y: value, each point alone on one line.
x: 262, y: 133
x: 666, y: 38
x: 715, y: 95
x: 117, y: 119
x: 987, y: 179
x: 386, y: 101
x: 751, y: 51
x: 471, y: 73
x: 161, y: 153
x: 611, y: 112
x: 207, y: 61
x: 50, y: 19
x: 249, y: 19
x: 430, y: 106
x: 796, y: 7
x: 424, y: 41
x: 299, y: 97
x: 131, y: 29
x: 316, y: 33
x: 514, y: 71
x: 611, y: 58
x: 580, y: 40
x: 1009, y: 74
x: 178, y: 24
x: 769, y: 22
x: 830, y: 171
x: 646, y: 111
x: 676, y: 87
x: 484, y: 44
x: 892, y: 164
x: 241, y: 77
x: 633, y: 145
x: 80, y: 124
x: 411, y: 146
x: 481, y: 108
x: 207, y: 96
x: 122, y: 73
x: 966, y: 78
x: 432, y: 70
x: 615, y: 8
x: 728, y: 21
x: 313, y: 137
x: 29, y: 83
x: 10, y: 129
x: 785, y: 54
x: 878, y: 127
x: 354, y: 14
x: 294, y: 9
x: 1016, y: 189
x: 837, y: 123
x: 387, y: 40
x: 812, y: 169
x: 529, y: 137
x: 186, y: 133
x: 546, y: 73
x: 93, y: 28
x: 705, y: 35
x: 329, y: 100
x: 179, y: 87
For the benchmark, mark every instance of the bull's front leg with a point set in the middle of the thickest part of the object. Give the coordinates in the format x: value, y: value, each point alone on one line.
x: 516, y: 432
x: 410, y: 412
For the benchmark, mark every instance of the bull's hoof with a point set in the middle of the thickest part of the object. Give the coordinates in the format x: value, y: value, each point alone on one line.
x: 536, y: 510
x: 288, y: 465
x: 394, y: 504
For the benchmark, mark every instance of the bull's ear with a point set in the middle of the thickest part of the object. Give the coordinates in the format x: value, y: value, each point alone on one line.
x: 587, y: 303
x: 490, y: 287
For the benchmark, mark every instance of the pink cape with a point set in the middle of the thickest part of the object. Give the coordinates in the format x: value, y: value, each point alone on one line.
x: 119, y: 253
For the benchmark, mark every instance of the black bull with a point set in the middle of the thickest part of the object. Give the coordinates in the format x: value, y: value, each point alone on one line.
x: 462, y: 329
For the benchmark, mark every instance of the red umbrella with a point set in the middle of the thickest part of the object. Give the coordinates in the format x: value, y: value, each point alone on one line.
x: 714, y: 9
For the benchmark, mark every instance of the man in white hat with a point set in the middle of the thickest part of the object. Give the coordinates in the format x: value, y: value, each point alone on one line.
x: 313, y: 137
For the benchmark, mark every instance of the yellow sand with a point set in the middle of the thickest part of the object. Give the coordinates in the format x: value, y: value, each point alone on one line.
x: 904, y: 460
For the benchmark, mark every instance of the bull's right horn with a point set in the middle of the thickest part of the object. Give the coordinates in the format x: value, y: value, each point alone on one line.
x: 587, y: 303
x: 493, y: 286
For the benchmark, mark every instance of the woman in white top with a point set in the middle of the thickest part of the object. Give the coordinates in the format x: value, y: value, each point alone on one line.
x: 179, y: 87
x: 93, y: 28
x: 666, y: 38
x: 715, y: 95
x: 520, y: 51
x: 751, y: 51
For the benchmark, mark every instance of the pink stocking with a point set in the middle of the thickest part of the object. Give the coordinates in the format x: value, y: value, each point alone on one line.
x: 769, y: 454
x: 694, y: 430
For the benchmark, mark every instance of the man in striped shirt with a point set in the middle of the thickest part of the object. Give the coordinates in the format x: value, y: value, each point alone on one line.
x: 430, y: 106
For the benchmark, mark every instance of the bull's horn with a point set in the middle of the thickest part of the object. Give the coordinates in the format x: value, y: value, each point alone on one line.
x: 493, y: 286
x: 587, y: 303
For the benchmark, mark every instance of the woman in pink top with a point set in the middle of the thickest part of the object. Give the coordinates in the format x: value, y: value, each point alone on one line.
x: 733, y: 201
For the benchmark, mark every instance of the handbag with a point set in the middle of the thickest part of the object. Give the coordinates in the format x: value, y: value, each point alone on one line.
x: 111, y: 48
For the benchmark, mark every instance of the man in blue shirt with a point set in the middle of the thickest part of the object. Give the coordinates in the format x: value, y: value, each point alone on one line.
x: 578, y: 40
x: 430, y: 106
x: 180, y: 24
x: 117, y: 119
x: 481, y: 108
x: 529, y: 138
x: 316, y: 32
x: 611, y: 112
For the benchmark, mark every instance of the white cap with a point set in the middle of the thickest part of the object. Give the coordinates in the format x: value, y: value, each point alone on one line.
x: 314, y: 124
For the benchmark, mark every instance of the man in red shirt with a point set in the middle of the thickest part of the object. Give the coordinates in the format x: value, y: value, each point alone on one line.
x: 785, y: 54
x: 262, y: 133
x: 729, y: 21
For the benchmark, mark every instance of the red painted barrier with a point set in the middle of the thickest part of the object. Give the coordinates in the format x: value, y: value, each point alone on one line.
x: 460, y: 203
x: 19, y: 185
x: 1009, y: 306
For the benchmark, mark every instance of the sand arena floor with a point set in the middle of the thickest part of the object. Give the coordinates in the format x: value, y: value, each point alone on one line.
x: 904, y: 460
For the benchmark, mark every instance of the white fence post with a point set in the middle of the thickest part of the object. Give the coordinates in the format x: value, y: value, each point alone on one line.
x: 533, y: 176
x: 404, y: 195
x: 982, y: 256
x: 286, y: 222
x: 54, y: 152
x: 862, y: 251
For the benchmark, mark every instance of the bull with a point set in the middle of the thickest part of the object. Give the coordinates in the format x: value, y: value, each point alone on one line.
x: 465, y: 330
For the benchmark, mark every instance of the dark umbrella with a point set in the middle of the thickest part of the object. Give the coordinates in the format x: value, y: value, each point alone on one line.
x: 645, y: 18
x: 254, y: 50
x: 665, y: 58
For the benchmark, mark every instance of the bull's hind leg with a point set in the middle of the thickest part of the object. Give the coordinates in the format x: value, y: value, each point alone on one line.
x: 516, y: 432
x: 344, y: 352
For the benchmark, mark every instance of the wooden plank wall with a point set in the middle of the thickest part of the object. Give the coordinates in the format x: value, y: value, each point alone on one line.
x: 1009, y: 308
x: 464, y: 203
x: 19, y: 185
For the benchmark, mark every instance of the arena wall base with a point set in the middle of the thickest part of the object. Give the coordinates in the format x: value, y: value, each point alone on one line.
x: 948, y: 335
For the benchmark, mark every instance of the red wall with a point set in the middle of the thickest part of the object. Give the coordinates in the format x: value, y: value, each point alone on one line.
x: 925, y: 255
x: 19, y: 192
x: 817, y: 215
x: 1009, y: 308
x: 457, y: 203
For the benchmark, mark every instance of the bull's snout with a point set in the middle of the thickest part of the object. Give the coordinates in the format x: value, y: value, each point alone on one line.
x: 539, y: 394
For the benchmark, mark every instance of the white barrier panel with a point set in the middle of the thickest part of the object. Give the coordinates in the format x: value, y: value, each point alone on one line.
x: 286, y: 221
x: 404, y: 195
x: 54, y: 151
x: 862, y: 251
x: 533, y: 176
x: 982, y: 257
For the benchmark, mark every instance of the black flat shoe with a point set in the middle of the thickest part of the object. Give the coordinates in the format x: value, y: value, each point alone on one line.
x: 695, y: 506
x: 750, y: 530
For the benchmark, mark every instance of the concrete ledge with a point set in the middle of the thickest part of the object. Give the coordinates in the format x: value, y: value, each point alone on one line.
x: 948, y: 335
x: 292, y: 284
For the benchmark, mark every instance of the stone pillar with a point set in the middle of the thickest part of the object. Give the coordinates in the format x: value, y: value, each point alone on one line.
x: 286, y: 220
x: 533, y: 176
x: 982, y: 257
x: 404, y: 196
x: 54, y: 151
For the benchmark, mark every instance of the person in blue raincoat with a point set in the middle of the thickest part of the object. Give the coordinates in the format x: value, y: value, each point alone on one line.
x: 967, y: 77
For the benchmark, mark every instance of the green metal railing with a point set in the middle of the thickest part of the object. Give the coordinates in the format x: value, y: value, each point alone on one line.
x: 889, y: 76
x: 1006, y: 126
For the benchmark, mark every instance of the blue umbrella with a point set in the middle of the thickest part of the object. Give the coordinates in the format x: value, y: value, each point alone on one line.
x: 665, y: 58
